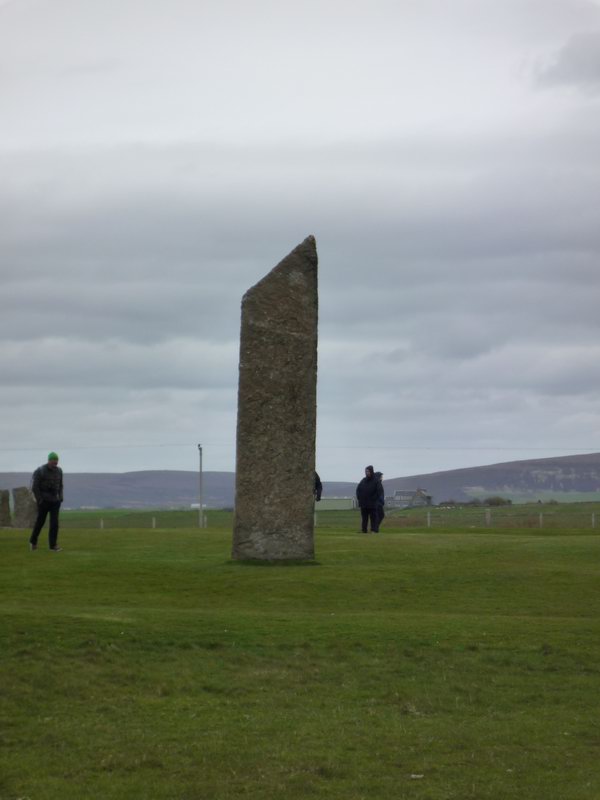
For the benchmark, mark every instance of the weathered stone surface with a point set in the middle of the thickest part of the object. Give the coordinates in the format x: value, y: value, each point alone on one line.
x: 4, y: 508
x: 276, y: 427
x: 24, y: 506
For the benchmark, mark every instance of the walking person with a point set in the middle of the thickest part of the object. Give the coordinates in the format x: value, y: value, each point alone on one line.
x: 368, y: 493
x: 47, y: 488
x: 380, y: 498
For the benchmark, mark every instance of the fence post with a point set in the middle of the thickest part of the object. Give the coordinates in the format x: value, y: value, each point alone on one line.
x: 205, y: 518
x: 488, y: 517
x: 593, y: 519
x: 101, y: 523
x: 154, y: 522
x: 541, y: 520
x: 429, y: 519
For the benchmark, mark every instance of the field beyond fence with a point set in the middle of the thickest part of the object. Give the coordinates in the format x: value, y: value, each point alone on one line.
x: 546, y: 516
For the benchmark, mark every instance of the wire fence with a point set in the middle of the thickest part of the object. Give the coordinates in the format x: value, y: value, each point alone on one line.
x: 563, y: 518
x: 109, y: 519
x: 539, y: 520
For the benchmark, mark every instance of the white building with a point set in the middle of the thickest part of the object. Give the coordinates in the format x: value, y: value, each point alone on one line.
x: 408, y: 498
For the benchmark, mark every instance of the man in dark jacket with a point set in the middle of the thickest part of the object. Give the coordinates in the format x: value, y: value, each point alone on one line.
x: 47, y: 488
x: 369, y: 494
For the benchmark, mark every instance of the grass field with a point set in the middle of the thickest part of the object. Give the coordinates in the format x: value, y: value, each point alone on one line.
x: 437, y: 664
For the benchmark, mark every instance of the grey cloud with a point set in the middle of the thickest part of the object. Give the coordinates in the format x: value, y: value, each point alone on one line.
x: 451, y: 269
x: 393, y: 203
x: 576, y: 64
x: 484, y: 254
x: 93, y: 405
x: 89, y: 427
x: 88, y: 67
x: 567, y: 370
x: 143, y: 311
x: 508, y: 378
x: 460, y: 312
x: 108, y: 362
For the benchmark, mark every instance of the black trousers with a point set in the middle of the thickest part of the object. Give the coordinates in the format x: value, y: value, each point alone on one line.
x: 45, y: 508
x: 370, y: 514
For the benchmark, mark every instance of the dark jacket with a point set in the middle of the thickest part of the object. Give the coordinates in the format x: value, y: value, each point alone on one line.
x: 381, y: 493
x: 318, y: 487
x: 369, y: 492
x: 47, y: 484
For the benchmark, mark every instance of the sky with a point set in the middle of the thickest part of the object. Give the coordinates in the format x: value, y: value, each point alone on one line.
x: 158, y: 158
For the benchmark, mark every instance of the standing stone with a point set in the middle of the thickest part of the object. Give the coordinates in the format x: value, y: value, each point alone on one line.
x: 4, y: 509
x: 277, y: 412
x: 25, y: 507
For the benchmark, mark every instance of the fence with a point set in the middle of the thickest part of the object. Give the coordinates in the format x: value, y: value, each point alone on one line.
x: 492, y: 519
x: 565, y: 517
x: 560, y: 517
x: 109, y: 519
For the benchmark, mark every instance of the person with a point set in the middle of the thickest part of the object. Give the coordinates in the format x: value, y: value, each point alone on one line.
x: 368, y: 493
x: 380, y: 499
x: 47, y: 488
x: 318, y: 487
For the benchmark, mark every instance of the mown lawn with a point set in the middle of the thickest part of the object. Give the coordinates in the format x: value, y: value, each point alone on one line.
x: 414, y: 664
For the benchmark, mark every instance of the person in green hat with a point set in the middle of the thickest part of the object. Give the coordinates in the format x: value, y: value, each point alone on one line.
x: 47, y: 488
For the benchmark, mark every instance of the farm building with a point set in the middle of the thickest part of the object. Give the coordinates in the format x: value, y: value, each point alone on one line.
x: 408, y: 498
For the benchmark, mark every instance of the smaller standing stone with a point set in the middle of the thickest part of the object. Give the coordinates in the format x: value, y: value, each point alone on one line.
x: 4, y: 509
x: 25, y: 507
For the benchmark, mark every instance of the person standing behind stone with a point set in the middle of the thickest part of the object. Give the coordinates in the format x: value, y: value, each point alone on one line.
x: 47, y: 487
x: 318, y: 487
x: 380, y: 498
x: 368, y: 493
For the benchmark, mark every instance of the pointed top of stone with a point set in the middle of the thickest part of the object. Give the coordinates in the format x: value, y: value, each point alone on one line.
x: 302, y: 259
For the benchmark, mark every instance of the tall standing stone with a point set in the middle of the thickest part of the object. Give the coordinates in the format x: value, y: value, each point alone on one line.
x: 4, y: 509
x: 24, y: 507
x: 277, y: 412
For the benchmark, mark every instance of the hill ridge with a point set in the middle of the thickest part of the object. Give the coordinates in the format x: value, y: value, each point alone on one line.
x: 530, y: 478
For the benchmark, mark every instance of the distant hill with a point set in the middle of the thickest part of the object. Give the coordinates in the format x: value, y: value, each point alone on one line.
x: 147, y: 489
x: 565, y: 477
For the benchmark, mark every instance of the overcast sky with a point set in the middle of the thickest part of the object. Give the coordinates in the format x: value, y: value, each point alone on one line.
x: 157, y: 158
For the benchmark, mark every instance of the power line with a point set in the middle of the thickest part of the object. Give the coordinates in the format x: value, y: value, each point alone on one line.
x: 99, y: 447
x: 371, y: 446
x: 355, y: 446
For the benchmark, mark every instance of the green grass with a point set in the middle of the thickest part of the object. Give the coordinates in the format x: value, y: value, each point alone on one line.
x: 415, y: 664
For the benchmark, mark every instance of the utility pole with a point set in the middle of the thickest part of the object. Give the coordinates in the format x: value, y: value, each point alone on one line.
x: 200, y: 508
